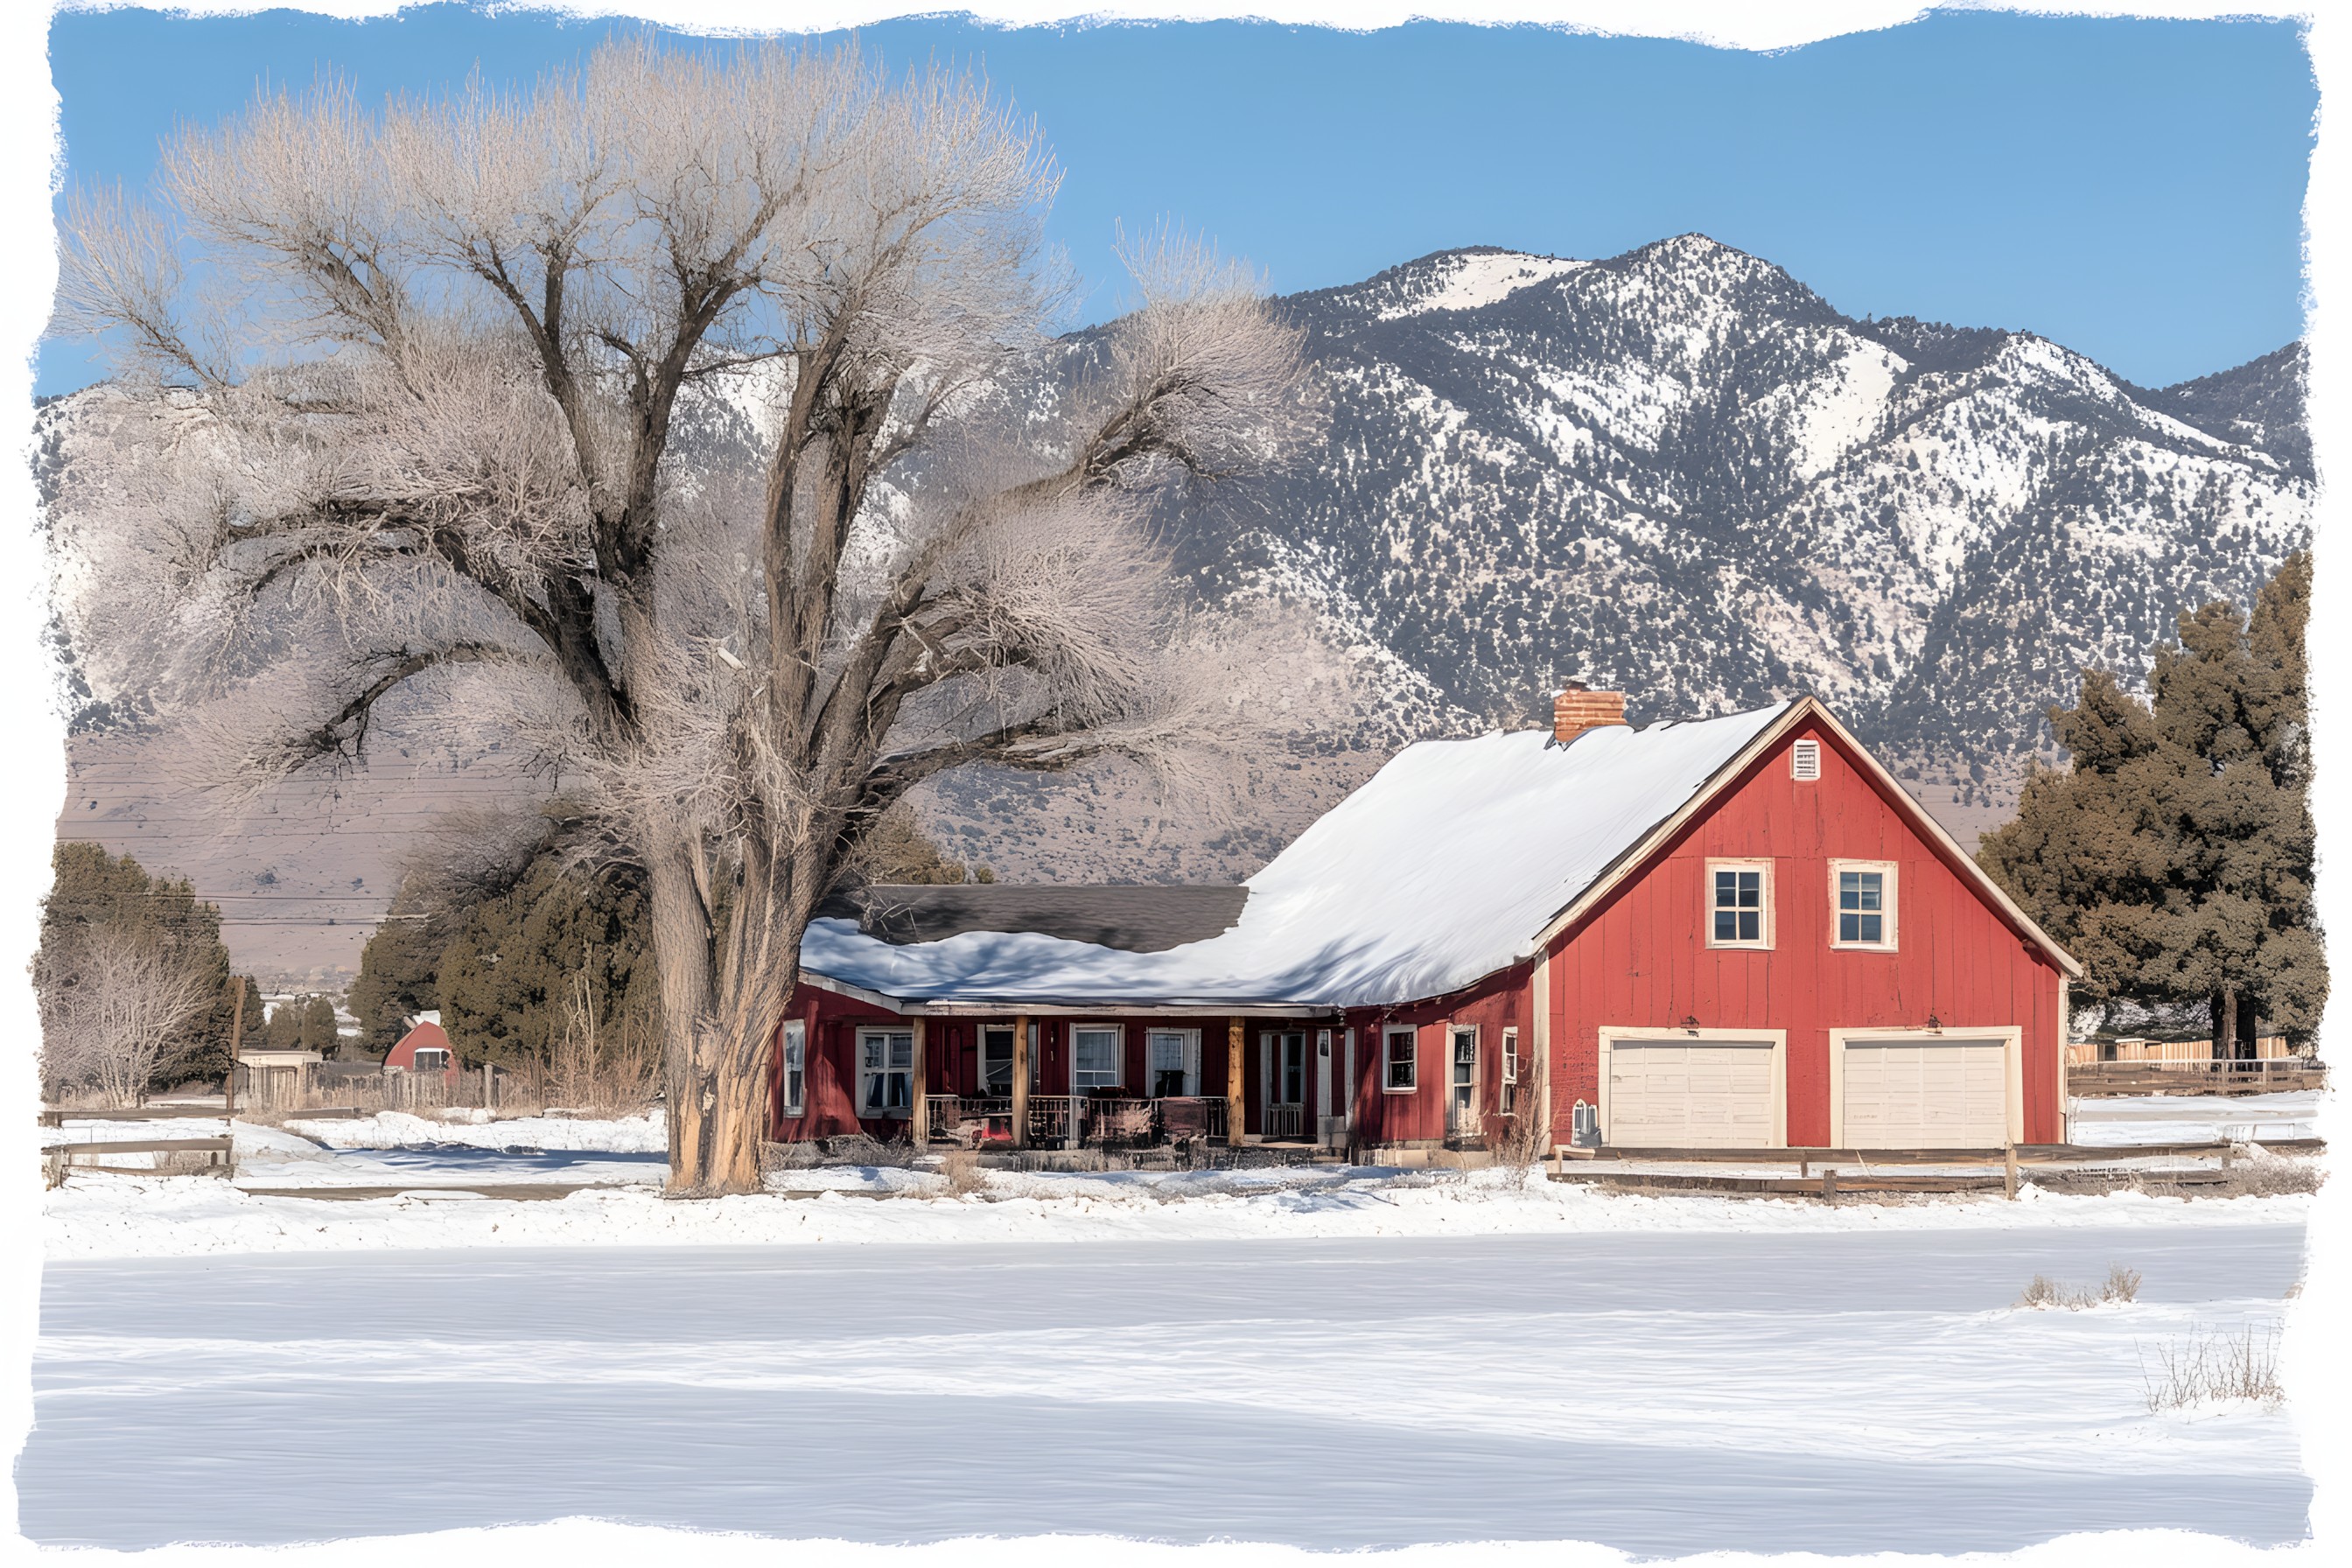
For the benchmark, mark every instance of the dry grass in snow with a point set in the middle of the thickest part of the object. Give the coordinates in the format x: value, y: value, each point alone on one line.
x: 2121, y: 1284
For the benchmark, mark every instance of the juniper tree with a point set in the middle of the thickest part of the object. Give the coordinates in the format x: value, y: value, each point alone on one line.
x: 687, y: 414
x: 2175, y: 854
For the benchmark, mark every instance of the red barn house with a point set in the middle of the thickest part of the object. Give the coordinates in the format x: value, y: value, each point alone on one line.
x: 1734, y: 932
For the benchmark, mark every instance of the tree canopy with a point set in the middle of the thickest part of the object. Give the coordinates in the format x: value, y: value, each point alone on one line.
x: 132, y: 977
x: 696, y: 416
x: 2174, y: 856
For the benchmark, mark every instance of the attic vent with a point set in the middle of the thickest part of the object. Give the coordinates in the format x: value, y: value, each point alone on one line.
x: 1805, y: 760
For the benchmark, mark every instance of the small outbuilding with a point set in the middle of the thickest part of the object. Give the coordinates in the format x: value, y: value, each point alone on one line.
x: 279, y: 1078
x: 425, y: 1048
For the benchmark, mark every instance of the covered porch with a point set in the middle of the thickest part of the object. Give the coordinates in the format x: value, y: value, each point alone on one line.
x: 1048, y: 1076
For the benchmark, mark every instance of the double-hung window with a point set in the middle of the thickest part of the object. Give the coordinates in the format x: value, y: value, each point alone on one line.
x: 1739, y: 903
x: 1093, y: 1057
x: 886, y: 1072
x: 1861, y: 904
x: 1402, y: 1074
x: 796, y: 1067
x: 1171, y: 1061
x: 1510, y: 1070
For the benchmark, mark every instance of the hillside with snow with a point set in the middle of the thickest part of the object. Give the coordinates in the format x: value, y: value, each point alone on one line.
x: 1682, y: 472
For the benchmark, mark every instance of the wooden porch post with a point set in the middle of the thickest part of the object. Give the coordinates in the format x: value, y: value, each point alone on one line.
x: 918, y: 1114
x: 1021, y: 1082
x: 1235, y: 1119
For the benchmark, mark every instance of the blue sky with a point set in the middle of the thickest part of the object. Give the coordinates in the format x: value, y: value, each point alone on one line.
x: 2130, y: 188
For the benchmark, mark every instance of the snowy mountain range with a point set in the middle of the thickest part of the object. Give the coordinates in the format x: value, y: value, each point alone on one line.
x: 1682, y: 472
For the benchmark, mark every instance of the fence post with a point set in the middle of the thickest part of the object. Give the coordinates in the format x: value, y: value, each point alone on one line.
x: 2008, y: 1175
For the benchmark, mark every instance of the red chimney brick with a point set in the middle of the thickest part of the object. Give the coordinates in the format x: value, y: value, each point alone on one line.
x: 1577, y: 710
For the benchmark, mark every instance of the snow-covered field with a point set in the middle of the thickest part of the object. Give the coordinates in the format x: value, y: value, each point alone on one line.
x: 2108, y: 1121
x: 1327, y: 1357
x: 1667, y: 1391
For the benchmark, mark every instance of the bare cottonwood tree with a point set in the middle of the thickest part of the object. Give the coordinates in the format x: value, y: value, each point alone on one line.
x: 117, y: 1004
x: 691, y: 413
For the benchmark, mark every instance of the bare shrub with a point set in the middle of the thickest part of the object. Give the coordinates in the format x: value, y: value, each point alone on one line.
x: 2121, y: 1284
x: 1516, y: 1142
x: 964, y: 1177
x: 605, y: 1071
x: 114, y: 1003
x: 2216, y: 1367
x: 2273, y: 1175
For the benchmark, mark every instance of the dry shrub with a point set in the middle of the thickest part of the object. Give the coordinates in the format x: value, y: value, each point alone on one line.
x: 2273, y: 1175
x: 1516, y: 1142
x: 2121, y: 1284
x: 2210, y: 1368
x: 964, y: 1177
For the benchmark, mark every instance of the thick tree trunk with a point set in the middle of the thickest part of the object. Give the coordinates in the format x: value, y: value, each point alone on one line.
x: 2225, y: 1024
x: 713, y: 1088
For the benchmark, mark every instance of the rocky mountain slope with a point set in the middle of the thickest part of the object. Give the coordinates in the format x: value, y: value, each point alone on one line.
x: 1679, y: 471
x: 1682, y: 472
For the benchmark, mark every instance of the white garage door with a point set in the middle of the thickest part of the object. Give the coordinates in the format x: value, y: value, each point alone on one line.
x: 1669, y: 1094
x: 1945, y: 1094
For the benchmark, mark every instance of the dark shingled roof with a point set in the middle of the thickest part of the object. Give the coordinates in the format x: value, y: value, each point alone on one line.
x: 1132, y: 917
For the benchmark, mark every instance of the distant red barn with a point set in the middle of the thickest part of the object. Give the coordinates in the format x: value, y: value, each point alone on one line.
x: 425, y: 1048
x: 1733, y: 932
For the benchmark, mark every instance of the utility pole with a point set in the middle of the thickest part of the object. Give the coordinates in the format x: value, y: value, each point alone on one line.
x: 236, y: 1038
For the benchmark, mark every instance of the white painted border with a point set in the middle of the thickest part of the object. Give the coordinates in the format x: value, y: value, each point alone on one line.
x: 2012, y: 1039
x: 1386, y: 1031
x: 1770, y: 896
x: 1890, y: 905
x: 1777, y: 1039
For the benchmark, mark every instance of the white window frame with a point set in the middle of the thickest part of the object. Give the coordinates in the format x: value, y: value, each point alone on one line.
x: 1117, y: 1055
x: 1510, y: 1093
x: 440, y: 1055
x: 1189, y: 1056
x: 1889, y: 902
x: 1765, y: 924
x: 2011, y: 1036
x: 1799, y: 754
x: 1412, y: 1060
x: 866, y: 1074
x: 794, y: 1089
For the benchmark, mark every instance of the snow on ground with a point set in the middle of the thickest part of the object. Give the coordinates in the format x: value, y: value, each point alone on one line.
x: 1667, y: 1392
x: 2110, y: 1122
x: 396, y: 1129
x: 131, y: 1216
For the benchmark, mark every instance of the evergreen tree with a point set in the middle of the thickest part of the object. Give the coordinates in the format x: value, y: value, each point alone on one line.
x: 92, y: 890
x: 2174, y: 857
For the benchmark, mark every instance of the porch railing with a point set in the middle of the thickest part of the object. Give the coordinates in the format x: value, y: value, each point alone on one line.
x: 1064, y: 1120
x: 1286, y: 1121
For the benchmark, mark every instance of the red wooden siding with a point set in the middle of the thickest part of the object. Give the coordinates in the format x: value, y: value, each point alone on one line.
x: 1641, y: 960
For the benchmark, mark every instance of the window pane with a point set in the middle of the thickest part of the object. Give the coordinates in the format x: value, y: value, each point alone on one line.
x: 1751, y: 889
x: 902, y: 1050
x: 1727, y: 888
x: 1849, y: 928
x: 1872, y: 882
x: 1400, y: 1060
x: 1726, y: 926
x: 1751, y: 926
x: 1870, y: 928
x: 1849, y: 890
x: 870, y: 1048
x: 1094, y: 1058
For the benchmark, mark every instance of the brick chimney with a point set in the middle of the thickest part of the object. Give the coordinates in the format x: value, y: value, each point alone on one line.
x: 1580, y: 708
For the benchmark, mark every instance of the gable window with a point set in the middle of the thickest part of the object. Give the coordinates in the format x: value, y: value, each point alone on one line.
x: 1402, y: 1074
x: 1739, y: 903
x: 886, y: 1072
x: 1172, y: 1062
x: 796, y: 1067
x: 1861, y: 904
x: 1093, y: 1057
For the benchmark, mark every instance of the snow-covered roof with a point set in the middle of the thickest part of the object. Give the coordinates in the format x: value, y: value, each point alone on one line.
x: 1442, y: 869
